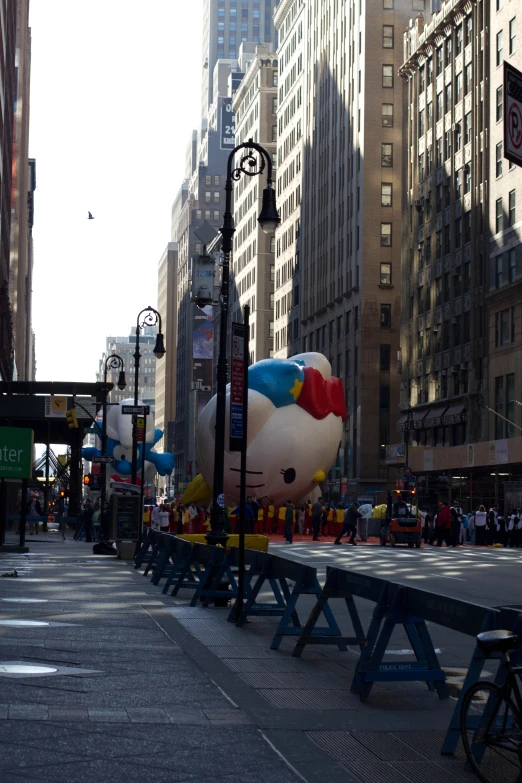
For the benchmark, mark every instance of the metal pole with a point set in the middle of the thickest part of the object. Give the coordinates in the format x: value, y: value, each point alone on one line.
x: 217, y: 534
x: 104, y: 438
x: 3, y: 512
x: 243, y: 464
x: 23, y: 511
x: 140, y: 523
x: 136, y: 381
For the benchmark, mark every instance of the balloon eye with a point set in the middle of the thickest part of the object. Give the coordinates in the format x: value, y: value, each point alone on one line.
x: 288, y: 475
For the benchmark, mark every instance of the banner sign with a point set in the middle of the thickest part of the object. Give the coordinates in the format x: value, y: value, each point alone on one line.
x: 227, y: 123
x: 236, y: 386
x: 512, y: 114
x: 16, y: 452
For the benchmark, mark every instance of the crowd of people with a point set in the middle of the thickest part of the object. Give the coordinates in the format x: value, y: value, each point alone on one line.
x: 485, y: 528
x: 319, y: 519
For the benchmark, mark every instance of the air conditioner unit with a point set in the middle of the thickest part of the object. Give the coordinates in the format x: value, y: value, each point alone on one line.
x: 419, y: 246
x: 436, y: 329
x: 418, y: 203
x: 456, y: 127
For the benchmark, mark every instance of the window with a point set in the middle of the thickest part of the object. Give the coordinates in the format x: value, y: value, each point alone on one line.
x: 447, y: 96
x: 499, y: 407
x: 467, y: 178
x: 386, y: 155
x: 421, y: 123
x: 499, y: 263
x: 447, y: 145
x: 421, y: 177
x: 512, y: 35
x: 386, y: 274
x: 274, y: 132
x: 458, y: 233
x: 512, y: 265
x: 418, y: 5
x: 207, y: 214
x: 385, y: 357
x: 387, y: 115
x: 438, y: 60
x: 499, y: 216
x: 274, y: 105
x: 208, y: 180
x: 459, y: 38
x: 386, y: 194
x: 216, y: 197
x: 499, y: 48
x: 386, y: 234
x: 272, y: 244
x: 499, y: 104
x: 458, y: 136
x: 422, y: 81
x: 467, y: 128
x: 384, y: 397
x: 458, y: 86
x: 468, y: 29
x: 208, y: 196
x: 387, y: 5
x: 467, y: 227
x: 449, y: 51
x: 217, y: 179
x: 498, y: 159
x: 198, y: 214
x: 387, y: 36
x: 438, y: 152
x: 500, y: 4
x: 510, y: 404
x: 385, y: 316
x: 467, y: 78
x: 438, y: 106
x: 387, y: 75
x: 429, y: 71
x: 216, y: 214
x: 512, y: 208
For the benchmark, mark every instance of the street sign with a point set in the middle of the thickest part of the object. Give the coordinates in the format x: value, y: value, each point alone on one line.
x: 104, y: 459
x: 237, y: 381
x: 135, y: 410
x: 55, y: 407
x: 96, y: 469
x: 16, y: 452
x: 512, y: 114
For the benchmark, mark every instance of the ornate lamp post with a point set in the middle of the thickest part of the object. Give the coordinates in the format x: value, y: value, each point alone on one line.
x: 111, y: 363
x: 147, y: 317
x: 252, y: 166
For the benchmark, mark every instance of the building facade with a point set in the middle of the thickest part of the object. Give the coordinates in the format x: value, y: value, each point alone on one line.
x: 350, y: 221
x: 227, y: 24
x: 462, y: 263
x: 290, y: 21
x: 255, y: 107
x: 165, y: 397
x: 8, y: 83
x: 125, y: 346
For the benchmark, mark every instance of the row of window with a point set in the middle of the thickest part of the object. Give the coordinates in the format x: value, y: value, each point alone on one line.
x: 512, y: 42
x: 207, y: 214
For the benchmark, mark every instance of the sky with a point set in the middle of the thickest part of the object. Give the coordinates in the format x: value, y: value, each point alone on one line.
x: 115, y: 93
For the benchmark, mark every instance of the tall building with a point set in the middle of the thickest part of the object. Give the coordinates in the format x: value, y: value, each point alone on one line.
x: 22, y: 203
x: 255, y: 107
x: 351, y: 218
x: 227, y: 24
x: 125, y: 347
x: 165, y: 398
x: 462, y: 261
x: 290, y: 21
x: 8, y: 82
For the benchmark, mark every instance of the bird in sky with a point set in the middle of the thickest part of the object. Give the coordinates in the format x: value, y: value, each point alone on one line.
x: 91, y: 217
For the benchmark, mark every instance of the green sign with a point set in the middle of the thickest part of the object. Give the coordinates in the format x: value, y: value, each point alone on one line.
x: 16, y: 452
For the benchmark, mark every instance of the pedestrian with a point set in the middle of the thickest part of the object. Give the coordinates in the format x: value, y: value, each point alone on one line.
x: 289, y: 521
x: 324, y: 520
x: 154, y: 519
x: 300, y: 517
x: 270, y: 517
x: 444, y: 525
x: 308, y: 516
x: 351, y: 516
x: 164, y: 519
x: 105, y: 521
x: 249, y: 517
x: 193, y: 515
x: 456, y: 523
x: 281, y: 517
x: 491, y: 535
x: 173, y: 519
x: 316, y: 513
x: 471, y: 528
x: 464, y: 530
x: 86, y: 520
x: 480, y: 526
x: 34, y: 510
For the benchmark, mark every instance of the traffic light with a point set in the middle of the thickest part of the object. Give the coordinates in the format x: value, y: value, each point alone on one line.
x: 88, y: 480
x: 72, y: 421
x: 62, y: 493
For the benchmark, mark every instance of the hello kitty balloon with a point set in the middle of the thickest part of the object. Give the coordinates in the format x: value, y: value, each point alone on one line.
x: 295, y: 415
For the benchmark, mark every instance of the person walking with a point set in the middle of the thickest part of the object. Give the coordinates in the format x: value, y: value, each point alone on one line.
x: 164, y: 519
x: 480, y: 526
x: 317, y: 511
x: 86, y: 520
x: 289, y: 521
x: 444, y: 525
x: 351, y: 516
x: 491, y: 534
x: 154, y: 519
x: 300, y: 517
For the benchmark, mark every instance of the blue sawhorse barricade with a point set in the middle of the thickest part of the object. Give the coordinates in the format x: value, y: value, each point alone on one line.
x: 287, y: 580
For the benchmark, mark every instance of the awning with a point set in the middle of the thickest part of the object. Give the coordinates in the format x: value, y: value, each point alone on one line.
x: 455, y: 413
x: 401, y: 422
x: 418, y: 417
x: 434, y: 416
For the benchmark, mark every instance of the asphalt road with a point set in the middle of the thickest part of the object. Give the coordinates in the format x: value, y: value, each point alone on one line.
x: 491, y: 577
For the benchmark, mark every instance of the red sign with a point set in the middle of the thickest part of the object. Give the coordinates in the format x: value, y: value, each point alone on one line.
x: 512, y: 114
x: 96, y: 469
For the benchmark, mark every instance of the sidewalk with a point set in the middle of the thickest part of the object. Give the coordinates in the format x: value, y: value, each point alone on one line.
x: 145, y: 688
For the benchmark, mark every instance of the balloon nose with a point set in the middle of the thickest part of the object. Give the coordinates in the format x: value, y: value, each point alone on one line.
x: 319, y: 476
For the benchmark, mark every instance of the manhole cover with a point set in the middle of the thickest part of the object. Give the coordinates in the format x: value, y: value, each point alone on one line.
x: 23, y: 623
x: 17, y: 668
x: 26, y: 600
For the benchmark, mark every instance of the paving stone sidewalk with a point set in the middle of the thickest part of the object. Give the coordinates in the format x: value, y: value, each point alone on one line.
x: 144, y: 687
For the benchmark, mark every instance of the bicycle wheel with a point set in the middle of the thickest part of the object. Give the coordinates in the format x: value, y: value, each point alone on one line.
x: 491, y: 733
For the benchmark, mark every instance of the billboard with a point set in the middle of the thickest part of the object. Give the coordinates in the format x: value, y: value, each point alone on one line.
x: 202, y: 347
x: 227, y: 125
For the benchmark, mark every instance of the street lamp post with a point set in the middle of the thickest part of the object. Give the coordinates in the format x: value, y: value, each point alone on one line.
x: 409, y: 416
x: 250, y: 165
x: 111, y: 363
x: 147, y: 317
